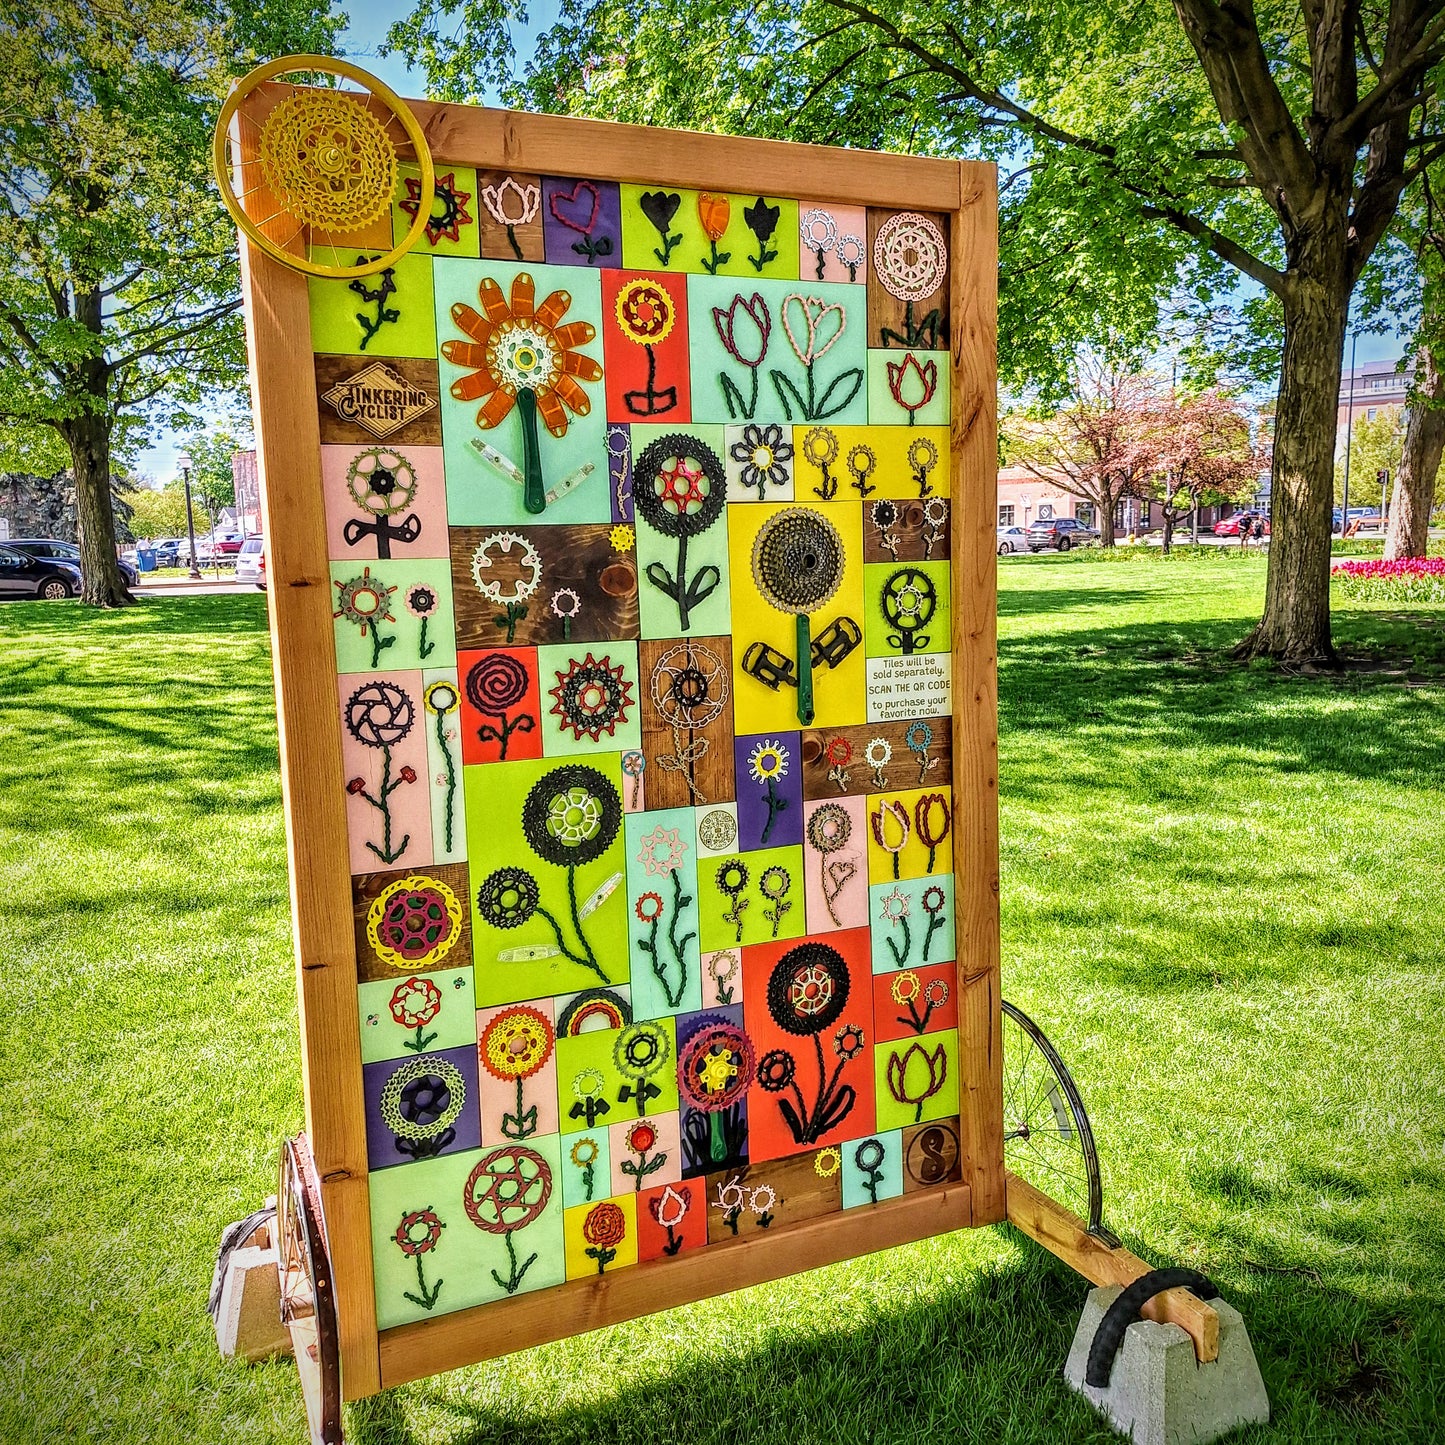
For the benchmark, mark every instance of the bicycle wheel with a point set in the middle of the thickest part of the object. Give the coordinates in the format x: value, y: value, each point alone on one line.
x: 321, y: 168
x: 308, y: 1308
x: 1047, y: 1138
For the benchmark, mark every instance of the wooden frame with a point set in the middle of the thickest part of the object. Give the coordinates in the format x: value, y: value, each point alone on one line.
x: 288, y: 440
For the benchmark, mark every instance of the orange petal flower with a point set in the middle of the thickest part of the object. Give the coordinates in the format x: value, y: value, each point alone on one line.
x: 516, y: 345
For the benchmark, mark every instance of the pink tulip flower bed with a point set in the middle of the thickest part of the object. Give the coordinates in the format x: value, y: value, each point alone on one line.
x: 1416, y: 579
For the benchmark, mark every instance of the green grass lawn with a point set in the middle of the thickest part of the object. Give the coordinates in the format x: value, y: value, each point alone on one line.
x: 1222, y: 899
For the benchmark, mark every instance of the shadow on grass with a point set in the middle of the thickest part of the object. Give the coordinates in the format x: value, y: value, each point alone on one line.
x: 1168, y: 689
x: 971, y: 1363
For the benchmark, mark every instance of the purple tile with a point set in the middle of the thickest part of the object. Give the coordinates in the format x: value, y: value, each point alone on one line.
x: 780, y: 753
x: 435, y: 1101
x: 582, y: 222
x: 619, y: 470
x: 711, y: 1141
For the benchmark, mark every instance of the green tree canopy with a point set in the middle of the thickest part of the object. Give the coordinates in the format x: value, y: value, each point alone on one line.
x: 119, y: 291
x: 1145, y: 147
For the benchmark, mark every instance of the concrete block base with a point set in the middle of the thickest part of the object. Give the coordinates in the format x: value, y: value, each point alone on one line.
x: 248, y: 1319
x: 1159, y: 1393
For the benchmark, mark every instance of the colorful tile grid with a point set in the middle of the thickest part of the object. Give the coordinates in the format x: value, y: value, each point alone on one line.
x: 638, y: 514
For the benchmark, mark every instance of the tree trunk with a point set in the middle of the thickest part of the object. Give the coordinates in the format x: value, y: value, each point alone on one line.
x: 1106, y: 519
x: 1419, y: 463
x: 1168, y: 530
x: 1295, y: 624
x: 101, y: 582
x: 89, y: 438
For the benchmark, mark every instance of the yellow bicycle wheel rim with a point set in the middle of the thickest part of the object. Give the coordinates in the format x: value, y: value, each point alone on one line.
x: 327, y: 184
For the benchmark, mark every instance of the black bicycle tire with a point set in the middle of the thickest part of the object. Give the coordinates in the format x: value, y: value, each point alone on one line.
x: 1070, y: 1090
x: 1124, y: 1312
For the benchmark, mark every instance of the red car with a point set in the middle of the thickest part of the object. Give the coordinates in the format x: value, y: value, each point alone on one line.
x: 1230, y: 526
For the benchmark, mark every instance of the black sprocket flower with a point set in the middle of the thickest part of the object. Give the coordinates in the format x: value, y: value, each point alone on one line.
x: 808, y: 989
x: 571, y: 815
x: 508, y: 897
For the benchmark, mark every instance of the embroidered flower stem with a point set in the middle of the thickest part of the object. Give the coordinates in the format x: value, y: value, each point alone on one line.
x: 428, y: 1297
x: 900, y: 956
x: 425, y: 648
x: 419, y: 1042
x: 514, y: 1278
x: 446, y: 748
x: 776, y: 805
x: 589, y: 1178
x: 512, y: 241
x: 383, y: 806
x: 523, y: 723
x: 376, y: 295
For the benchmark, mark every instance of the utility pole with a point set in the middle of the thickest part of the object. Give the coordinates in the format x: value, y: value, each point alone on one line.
x: 184, y: 461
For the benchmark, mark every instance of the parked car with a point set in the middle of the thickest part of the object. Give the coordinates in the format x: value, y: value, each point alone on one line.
x: 1230, y: 526
x: 251, y: 562
x: 168, y: 551
x: 229, y: 544
x: 1011, y: 539
x: 22, y: 575
x: 1060, y: 532
x: 67, y: 552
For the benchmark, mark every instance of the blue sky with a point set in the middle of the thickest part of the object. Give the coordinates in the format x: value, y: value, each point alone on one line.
x: 370, y: 20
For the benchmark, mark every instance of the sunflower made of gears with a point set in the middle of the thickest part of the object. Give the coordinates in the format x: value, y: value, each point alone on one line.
x: 328, y: 161
x: 909, y: 599
x: 689, y: 685
x: 798, y: 560
x: 508, y: 1189
x: 909, y: 256
x: 381, y: 482
x: 516, y: 345
x: 571, y: 815
x: 829, y: 828
x: 516, y: 1043
x: 645, y: 311
x: 591, y: 698
x: 423, y: 1098
x: 414, y: 922
x: 808, y: 989
x: 508, y: 897
x: 715, y: 1066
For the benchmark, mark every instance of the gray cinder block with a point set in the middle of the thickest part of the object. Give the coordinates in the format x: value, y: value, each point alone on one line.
x: 1159, y: 1393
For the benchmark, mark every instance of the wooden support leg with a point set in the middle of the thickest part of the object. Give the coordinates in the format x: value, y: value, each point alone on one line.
x: 1065, y: 1235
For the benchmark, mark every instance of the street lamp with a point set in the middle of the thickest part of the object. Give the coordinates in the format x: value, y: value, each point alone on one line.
x: 1349, y: 433
x: 184, y: 462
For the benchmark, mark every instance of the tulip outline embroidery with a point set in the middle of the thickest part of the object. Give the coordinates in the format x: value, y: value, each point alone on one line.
x: 725, y: 322
x: 903, y: 1074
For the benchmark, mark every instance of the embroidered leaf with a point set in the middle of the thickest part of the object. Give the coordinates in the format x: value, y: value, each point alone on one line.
x: 823, y: 409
